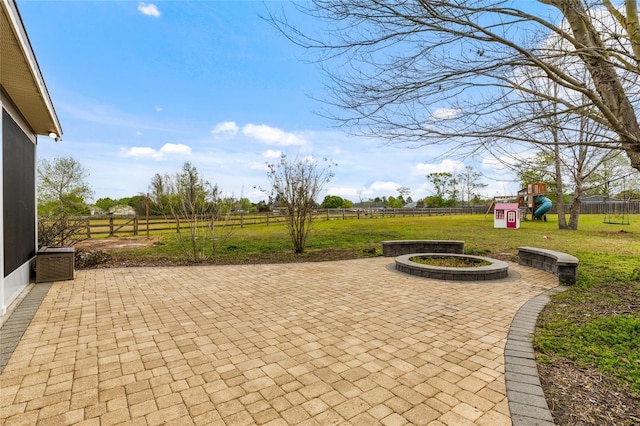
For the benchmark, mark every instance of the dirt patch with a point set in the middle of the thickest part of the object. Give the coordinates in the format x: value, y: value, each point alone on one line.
x: 116, y: 243
x: 122, y: 254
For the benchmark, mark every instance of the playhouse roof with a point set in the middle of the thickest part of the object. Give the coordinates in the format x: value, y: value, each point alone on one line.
x: 506, y: 206
x: 20, y: 75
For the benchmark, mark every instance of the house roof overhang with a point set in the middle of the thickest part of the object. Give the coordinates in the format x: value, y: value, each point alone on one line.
x: 20, y: 76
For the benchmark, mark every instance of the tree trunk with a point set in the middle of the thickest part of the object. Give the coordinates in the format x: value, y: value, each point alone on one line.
x: 575, y: 213
x: 560, y: 206
x: 612, y: 100
x: 575, y: 206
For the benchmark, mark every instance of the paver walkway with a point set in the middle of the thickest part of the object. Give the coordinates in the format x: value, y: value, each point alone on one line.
x: 349, y: 342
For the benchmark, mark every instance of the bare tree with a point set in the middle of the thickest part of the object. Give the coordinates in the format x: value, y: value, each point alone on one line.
x: 573, y: 170
x: 61, y: 229
x: 159, y: 194
x: 296, y: 184
x: 440, y: 71
x: 470, y: 181
x: 404, y: 194
x: 195, y: 201
x: 611, y: 178
x: 359, y: 193
x: 567, y: 142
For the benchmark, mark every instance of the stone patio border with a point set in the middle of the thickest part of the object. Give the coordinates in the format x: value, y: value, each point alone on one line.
x: 527, y: 403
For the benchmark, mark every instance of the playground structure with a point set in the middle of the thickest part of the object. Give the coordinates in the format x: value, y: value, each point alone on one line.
x: 531, y: 199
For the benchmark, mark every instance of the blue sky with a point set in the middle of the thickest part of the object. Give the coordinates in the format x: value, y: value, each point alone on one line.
x: 142, y: 87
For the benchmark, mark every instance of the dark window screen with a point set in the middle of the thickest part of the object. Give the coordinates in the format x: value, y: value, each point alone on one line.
x: 18, y: 172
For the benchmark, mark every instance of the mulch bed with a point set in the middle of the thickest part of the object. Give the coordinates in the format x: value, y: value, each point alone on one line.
x: 578, y: 395
x: 581, y: 397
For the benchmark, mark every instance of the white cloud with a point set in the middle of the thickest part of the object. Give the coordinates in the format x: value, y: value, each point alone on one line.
x: 445, y: 166
x: 141, y: 152
x: 446, y: 113
x: 159, y: 109
x: 149, y: 9
x: 256, y: 195
x: 271, y: 135
x: 145, y: 152
x: 175, y: 148
x: 344, y: 192
x: 385, y: 187
x: 225, y: 127
x: 270, y: 153
x: 421, y: 191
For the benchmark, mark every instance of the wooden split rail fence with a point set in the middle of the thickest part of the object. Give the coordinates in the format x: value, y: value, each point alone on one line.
x: 101, y: 226
x: 140, y: 225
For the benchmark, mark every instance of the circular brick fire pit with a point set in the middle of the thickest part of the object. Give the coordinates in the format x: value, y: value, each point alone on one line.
x: 497, y: 269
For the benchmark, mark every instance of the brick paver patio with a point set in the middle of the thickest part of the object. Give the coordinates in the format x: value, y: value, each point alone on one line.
x: 349, y: 342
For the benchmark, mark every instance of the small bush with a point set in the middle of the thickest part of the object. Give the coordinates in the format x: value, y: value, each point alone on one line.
x: 90, y: 258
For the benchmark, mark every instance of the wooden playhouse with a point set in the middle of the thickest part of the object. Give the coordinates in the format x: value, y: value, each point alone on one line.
x: 506, y: 215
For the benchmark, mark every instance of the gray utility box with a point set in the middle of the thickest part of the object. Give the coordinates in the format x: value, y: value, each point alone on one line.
x: 55, y: 264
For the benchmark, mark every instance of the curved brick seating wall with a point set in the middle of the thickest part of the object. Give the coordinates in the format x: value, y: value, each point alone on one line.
x: 400, y: 247
x: 561, y: 264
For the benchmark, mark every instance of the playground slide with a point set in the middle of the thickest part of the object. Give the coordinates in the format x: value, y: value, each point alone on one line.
x: 545, y: 206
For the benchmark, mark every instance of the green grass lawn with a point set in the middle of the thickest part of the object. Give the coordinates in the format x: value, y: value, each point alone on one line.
x: 595, y: 323
x: 359, y: 237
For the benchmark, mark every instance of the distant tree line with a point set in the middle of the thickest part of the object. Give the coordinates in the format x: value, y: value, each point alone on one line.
x: 62, y: 187
x: 450, y: 190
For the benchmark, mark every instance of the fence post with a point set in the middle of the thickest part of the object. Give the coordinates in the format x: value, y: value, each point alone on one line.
x: 88, y: 228
x: 178, y: 224
x: 146, y: 213
x: 135, y: 225
x: 111, y: 226
x: 267, y: 218
x: 242, y: 220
